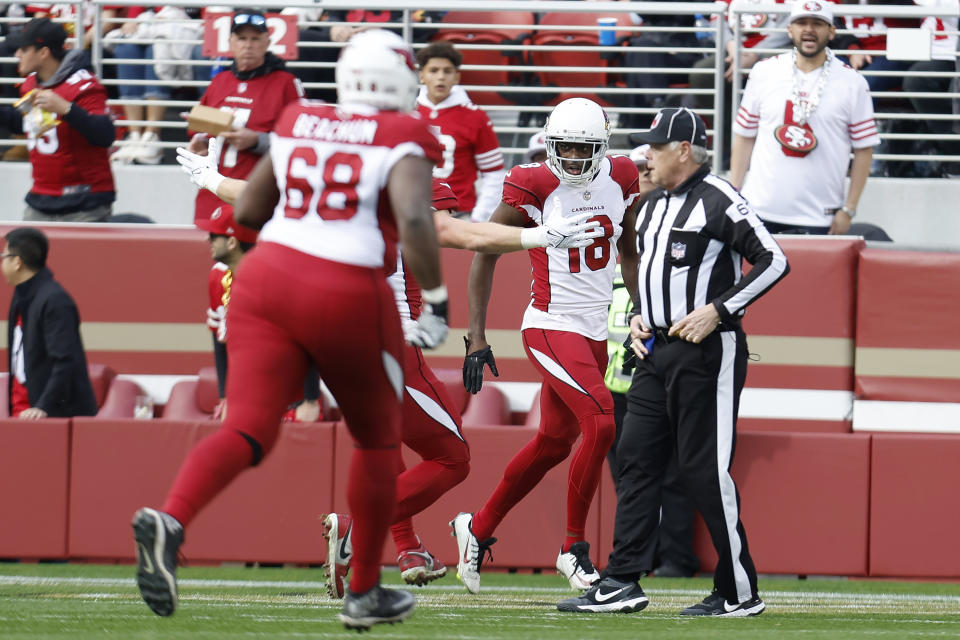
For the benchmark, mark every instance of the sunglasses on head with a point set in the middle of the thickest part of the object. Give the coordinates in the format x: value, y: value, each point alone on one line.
x: 249, y: 18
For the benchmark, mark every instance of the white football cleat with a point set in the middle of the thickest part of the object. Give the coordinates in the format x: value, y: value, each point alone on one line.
x: 471, y: 551
x: 576, y: 567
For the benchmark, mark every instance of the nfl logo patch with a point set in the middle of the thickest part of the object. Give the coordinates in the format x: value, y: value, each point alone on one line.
x: 678, y: 250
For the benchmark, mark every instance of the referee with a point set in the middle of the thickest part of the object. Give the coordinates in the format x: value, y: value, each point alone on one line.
x: 691, y: 233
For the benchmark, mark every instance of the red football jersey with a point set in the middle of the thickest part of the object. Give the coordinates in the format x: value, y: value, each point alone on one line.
x: 469, y: 144
x: 256, y: 104
x: 63, y: 161
x: 218, y: 292
x: 444, y: 199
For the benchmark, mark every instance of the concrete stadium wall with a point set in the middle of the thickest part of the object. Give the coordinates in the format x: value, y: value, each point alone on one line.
x: 915, y: 212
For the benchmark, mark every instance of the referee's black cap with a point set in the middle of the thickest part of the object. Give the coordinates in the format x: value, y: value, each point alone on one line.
x: 674, y: 124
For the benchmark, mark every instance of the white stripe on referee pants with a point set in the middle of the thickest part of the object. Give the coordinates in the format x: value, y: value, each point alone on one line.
x: 728, y: 493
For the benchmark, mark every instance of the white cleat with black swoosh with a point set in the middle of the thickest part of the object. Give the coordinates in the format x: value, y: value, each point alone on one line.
x: 337, y: 528
x: 607, y: 596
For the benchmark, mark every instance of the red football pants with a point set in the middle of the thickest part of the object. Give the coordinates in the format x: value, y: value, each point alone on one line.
x: 286, y: 309
x: 574, y: 401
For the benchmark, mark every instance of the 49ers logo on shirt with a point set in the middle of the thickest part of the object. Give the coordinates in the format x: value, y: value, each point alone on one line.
x: 797, y: 140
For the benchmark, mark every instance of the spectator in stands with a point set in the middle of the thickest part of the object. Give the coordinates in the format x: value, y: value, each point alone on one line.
x: 470, y: 146
x: 943, y: 54
x: 872, y: 37
x: 48, y: 367
x: 256, y: 89
x: 65, y: 118
x: 672, y: 54
x: 801, y: 115
x: 140, y: 145
x: 750, y: 39
x: 536, y: 148
x: 229, y: 242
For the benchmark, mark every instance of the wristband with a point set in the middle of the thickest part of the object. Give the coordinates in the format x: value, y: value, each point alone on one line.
x: 531, y: 238
x: 437, y: 295
x: 213, y: 181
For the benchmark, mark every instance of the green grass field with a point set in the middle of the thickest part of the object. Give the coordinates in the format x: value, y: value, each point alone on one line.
x: 74, y: 601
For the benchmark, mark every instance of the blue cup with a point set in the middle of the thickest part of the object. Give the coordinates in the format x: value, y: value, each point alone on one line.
x: 606, y: 30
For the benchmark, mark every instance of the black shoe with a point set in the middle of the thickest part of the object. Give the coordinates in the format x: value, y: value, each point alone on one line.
x: 362, y: 611
x: 672, y: 570
x: 158, y: 536
x: 608, y: 596
x: 716, y: 605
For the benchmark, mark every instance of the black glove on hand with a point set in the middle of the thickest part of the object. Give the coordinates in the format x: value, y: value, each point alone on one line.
x: 473, y: 367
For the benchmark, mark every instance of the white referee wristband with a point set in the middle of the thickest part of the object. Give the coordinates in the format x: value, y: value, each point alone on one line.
x: 437, y: 295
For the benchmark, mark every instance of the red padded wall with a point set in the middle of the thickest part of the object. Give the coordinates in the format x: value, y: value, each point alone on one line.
x: 908, y: 306
x: 815, y: 300
x: 530, y: 536
x: 269, y: 514
x: 34, y: 469
x: 914, y: 517
x: 805, y: 500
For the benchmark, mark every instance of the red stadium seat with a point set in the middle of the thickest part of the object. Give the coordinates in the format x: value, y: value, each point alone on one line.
x: 488, y: 407
x: 121, y: 399
x: 452, y: 380
x: 533, y: 416
x: 496, y: 34
x: 101, y: 377
x: 193, y: 399
x: 575, y: 37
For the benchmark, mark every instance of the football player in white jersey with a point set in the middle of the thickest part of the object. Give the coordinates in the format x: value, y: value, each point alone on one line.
x: 341, y: 183
x: 564, y: 328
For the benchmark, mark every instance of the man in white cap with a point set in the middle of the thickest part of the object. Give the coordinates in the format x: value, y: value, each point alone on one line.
x: 800, y: 116
x: 536, y: 148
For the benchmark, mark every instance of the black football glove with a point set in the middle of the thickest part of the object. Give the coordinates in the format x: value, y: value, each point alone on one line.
x: 473, y: 367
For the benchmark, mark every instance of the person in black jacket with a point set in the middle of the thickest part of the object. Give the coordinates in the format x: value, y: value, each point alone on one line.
x: 47, y: 364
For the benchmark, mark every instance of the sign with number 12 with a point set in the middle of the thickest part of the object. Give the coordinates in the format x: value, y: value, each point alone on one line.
x: 282, y: 30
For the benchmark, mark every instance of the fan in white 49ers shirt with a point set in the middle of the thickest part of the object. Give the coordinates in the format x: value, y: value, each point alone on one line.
x: 801, y: 115
x: 470, y: 146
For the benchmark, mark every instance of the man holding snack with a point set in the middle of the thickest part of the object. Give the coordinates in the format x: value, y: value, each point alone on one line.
x: 63, y: 110
x: 254, y: 90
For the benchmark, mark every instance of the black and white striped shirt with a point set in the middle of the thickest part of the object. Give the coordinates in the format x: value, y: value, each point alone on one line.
x: 691, y: 241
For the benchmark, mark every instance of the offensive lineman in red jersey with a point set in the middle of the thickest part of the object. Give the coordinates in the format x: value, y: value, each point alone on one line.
x: 255, y: 89
x: 340, y: 184
x: 470, y: 146
x: 564, y: 329
x: 72, y: 180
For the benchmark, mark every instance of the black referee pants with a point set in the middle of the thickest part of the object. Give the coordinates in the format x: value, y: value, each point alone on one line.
x: 684, y: 396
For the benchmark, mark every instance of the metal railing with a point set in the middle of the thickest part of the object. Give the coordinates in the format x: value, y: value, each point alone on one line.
x: 531, y: 101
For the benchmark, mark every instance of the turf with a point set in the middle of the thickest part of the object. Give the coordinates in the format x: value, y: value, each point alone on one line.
x: 75, y: 601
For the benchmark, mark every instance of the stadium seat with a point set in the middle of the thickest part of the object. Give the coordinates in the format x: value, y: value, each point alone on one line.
x: 193, y: 399
x: 497, y: 34
x: 558, y: 37
x: 533, y: 416
x: 121, y: 399
x: 488, y: 407
x: 101, y: 377
x: 452, y: 379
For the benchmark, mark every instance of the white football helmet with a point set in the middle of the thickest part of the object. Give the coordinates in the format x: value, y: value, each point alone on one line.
x: 376, y: 68
x: 577, y: 120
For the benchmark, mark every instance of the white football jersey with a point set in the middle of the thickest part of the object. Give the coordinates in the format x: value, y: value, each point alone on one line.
x: 332, y: 164
x: 572, y: 288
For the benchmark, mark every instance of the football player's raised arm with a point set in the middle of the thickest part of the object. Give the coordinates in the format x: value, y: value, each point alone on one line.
x: 488, y: 237
x: 410, y: 193
x: 257, y: 201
